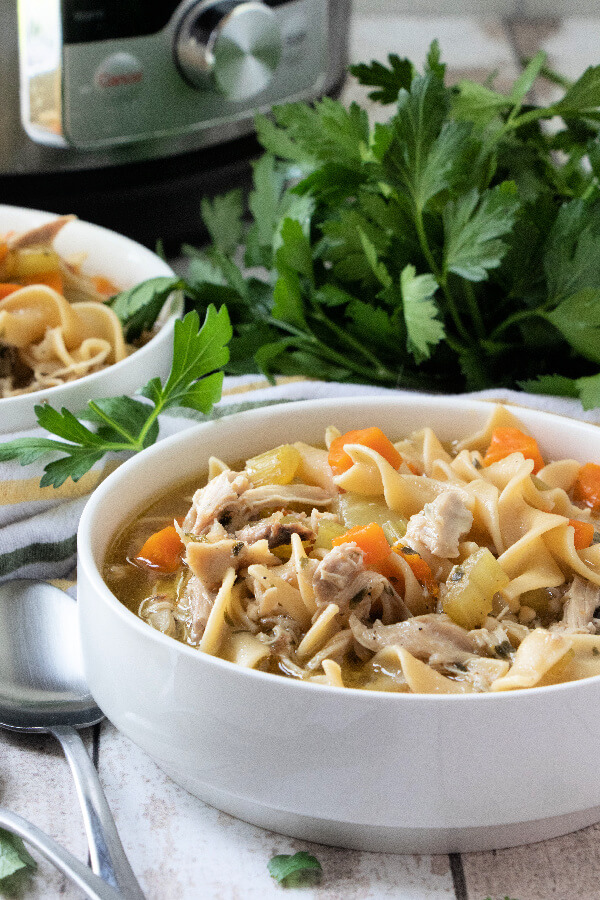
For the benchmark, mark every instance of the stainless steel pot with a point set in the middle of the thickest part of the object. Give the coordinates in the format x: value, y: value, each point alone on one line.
x: 126, y: 112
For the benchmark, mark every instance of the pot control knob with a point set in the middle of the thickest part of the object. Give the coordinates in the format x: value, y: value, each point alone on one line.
x: 228, y: 46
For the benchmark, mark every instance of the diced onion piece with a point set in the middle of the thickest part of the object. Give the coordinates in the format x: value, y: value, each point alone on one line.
x: 277, y: 466
x: 471, y: 587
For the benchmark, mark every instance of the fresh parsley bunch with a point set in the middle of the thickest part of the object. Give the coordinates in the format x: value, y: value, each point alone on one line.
x: 454, y: 247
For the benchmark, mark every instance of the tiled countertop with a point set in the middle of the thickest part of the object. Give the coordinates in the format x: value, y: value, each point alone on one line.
x: 182, y: 849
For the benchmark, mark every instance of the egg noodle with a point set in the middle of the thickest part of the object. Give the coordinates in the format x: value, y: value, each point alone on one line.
x: 54, y: 324
x: 404, y: 567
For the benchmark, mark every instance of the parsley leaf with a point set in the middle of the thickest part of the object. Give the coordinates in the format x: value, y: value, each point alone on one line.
x: 127, y: 424
x: 223, y: 218
x: 578, y: 320
x: 298, y: 870
x: 138, y: 307
x: 557, y: 385
x: 389, y: 80
x: 425, y: 151
x: 583, y: 97
x: 13, y: 855
x: 424, y: 330
x: 473, y: 226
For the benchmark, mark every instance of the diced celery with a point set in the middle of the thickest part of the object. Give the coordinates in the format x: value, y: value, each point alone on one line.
x: 355, y: 510
x: 277, y: 466
x: 537, y: 599
x: 394, y: 529
x: 327, y: 530
x: 471, y: 587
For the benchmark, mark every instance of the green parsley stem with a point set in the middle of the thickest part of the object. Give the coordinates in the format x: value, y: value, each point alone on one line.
x: 112, y: 424
x: 474, y: 308
x: 439, y: 276
x: 512, y: 320
x: 311, y: 341
x: 351, y: 341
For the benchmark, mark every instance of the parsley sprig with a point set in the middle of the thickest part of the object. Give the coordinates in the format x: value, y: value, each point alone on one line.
x: 126, y: 423
x: 297, y: 870
x: 453, y: 247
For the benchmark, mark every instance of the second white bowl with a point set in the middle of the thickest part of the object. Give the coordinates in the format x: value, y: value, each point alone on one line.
x: 124, y: 262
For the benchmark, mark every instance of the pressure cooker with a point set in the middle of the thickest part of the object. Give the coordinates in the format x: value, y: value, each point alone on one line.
x: 127, y: 112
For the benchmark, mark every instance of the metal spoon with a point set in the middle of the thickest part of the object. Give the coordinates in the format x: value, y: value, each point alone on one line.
x: 43, y: 689
x: 92, y: 886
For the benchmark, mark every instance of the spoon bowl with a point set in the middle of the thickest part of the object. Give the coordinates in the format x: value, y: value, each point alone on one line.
x: 43, y: 689
x: 42, y: 684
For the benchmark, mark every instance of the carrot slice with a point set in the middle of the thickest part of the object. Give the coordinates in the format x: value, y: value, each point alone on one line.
x: 587, y: 486
x: 339, y: 461
x: 162, y: 550
x: 52, y: 280
x: 7, y: 288
x: 509, y: 440
x: 584, y: 533
x: 104, y: 285
x: 371, y: 540
x: 420, y: 568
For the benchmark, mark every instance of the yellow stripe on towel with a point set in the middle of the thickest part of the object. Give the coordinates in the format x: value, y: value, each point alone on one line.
x: 28, y: 490
x: 263, y: 384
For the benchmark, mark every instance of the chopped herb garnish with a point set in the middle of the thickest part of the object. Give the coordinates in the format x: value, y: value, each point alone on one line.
x: 237, y: 548
x: 457, y: 574
x: 476, y: 462
x: 504, y: 650
x: 299, y: 870
x: 595, y: 651
x: 596, y: 538
x: 13, y: 855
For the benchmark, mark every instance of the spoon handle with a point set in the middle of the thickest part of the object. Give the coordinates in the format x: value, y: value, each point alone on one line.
x: 107, y: 855
x: 69, y: 865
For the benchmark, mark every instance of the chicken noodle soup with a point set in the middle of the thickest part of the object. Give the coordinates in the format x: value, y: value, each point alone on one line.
x: 54, y: 324
x: 404, y: 567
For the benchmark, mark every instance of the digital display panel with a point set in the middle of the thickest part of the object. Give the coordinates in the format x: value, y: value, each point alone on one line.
x: 102, y: 20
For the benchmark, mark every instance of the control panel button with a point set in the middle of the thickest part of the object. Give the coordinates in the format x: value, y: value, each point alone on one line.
x: 229, y: 47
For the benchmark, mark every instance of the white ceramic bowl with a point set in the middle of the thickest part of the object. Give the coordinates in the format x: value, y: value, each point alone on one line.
x: 125, y: 263
x: 391, y: 772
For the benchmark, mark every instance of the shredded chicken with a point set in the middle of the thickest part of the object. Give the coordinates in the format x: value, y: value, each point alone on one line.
x: 274, y: 531
x: 232, y: 500
x: 160, y: 612
x: 440, y: 526
x: 214, y: 501
x: 434, y: 638
x: 42, y: 234
x: 341, y: 578
x: 200, y: 601
x: 581, y: 600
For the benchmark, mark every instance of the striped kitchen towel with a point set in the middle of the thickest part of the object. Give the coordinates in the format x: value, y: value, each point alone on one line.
x: 38, y: 526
